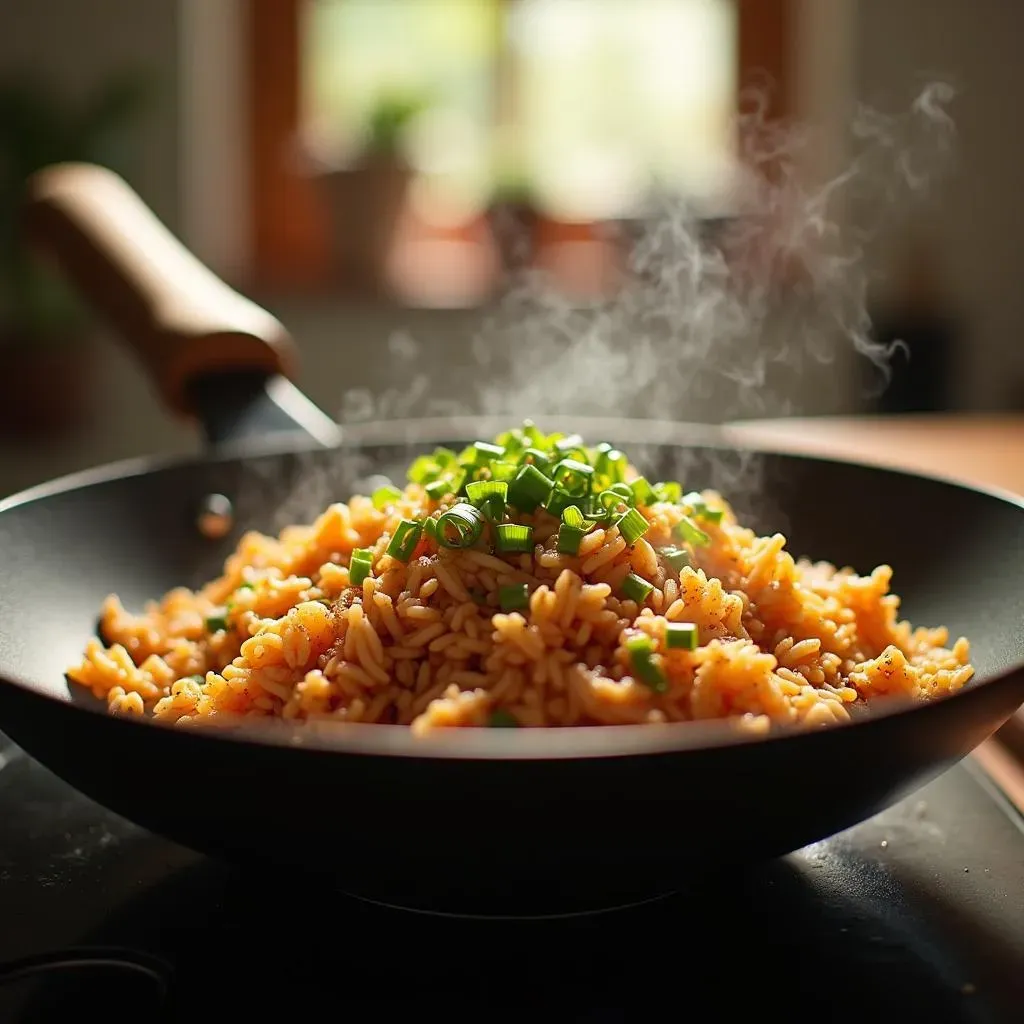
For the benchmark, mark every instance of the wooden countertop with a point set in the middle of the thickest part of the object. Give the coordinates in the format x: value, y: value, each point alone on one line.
x: 986, y: 451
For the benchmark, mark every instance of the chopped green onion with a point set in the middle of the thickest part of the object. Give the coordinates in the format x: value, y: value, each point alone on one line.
x: 676, y: 558
x: 481, y: 492
x: 360, y: 566
x: 483, y: 454
x: 534, y: 456
x: 427, y: 468
x: 558, y: 501
x: 612, y: 498
x: 529, y: 489
x: 633, y: 526
x: 503, y: 470
x: 572, y: 516
x: 403, y: 543
x: 645, y: 668
x: 460, y: 526
x: 569, y: 444
x: 610, y: 464
x: 502, y: 719
x: 217, y: 623
x: 437, y: 489
x: 573, y: 476
x: 569, y: 539
x: 681, y: 636
x: 513, y: 597
x: 695, y: 501
x: 636, y: 588
x: 430, y: 528
x: 643, y: 494
x: 511, y: 537
x: 691, y: 532
x: 384, y: 496
x: 668, y: 491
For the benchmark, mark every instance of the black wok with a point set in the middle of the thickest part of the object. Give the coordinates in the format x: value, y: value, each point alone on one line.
x: 486, y: 821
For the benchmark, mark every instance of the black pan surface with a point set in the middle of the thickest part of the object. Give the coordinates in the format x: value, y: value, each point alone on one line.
x: 495, y: 821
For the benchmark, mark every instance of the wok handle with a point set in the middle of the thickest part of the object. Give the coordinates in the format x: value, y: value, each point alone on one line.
x: 181, y: 320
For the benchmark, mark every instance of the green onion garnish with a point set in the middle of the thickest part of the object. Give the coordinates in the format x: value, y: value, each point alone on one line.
x: 511, y: 537
x: 633, y: 526
x: 487, y: 492
x: 645, y: 668
x: 460, y: 526
x: 384, y: 496
x: 483, y: 454
x: 695, y: 501
x: 610, y: 464
x: 503, y: 470
x: 573, y: 476
x: 513, y: 597
x: 529, y: 489
x: 437, y: 489
x: 572, y: 516
x: 569, y: 539
x: 681, y: 636
x: 360, y: 566
x: 428, y: 468
x: 558, y: 501
x: 643, y: 494
x: 217, y: 623
x: 668, y: 491
x: 502, y: 719
x: 535, y: 457
x: 568, y: 444
x: 676, y: 558
x: 430, y: 528
x: 636, y: 588
x: 691, y: 532
x: 403, y: 543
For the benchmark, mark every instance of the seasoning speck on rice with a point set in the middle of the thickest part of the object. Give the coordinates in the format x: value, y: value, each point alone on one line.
x: 532, y: 581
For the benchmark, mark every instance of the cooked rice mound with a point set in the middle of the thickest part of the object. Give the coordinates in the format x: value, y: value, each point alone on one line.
x: 424, y: 642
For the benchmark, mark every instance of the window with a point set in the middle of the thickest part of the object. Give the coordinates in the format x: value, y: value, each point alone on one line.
x: 580, y: 105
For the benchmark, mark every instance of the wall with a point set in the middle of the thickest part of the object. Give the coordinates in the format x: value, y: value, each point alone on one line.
x: 900, y: 44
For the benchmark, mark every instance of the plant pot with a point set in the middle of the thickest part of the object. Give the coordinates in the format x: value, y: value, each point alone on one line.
x: 365, y: 202
x: 46, y: 388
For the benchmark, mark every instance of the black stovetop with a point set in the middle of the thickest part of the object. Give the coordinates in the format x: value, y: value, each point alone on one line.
x: 919, y: 911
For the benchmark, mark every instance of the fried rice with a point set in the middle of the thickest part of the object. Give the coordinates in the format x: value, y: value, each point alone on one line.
x: 589, y: 598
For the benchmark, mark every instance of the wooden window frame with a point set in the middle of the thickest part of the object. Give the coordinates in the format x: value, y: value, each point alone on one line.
x: 289, y: 246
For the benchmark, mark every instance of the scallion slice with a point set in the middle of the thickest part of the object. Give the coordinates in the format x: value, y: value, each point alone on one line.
x: 643, y: 493
x: 645, y: 668
x: 569, y: 539
x: 558, y: 501
x: 529, y: 489
x: 573, y: 476
x: 683, y: 636
x: 502, y: 719
x: 613, y: 497
x: 572, y: 516
x: 535, y: 457
x: 487, y: 492
x: 676, y: 558
x: 691, y: 532
x: 633, y: 526
x: 384, y: 496
x: 569, y: 444
x: 483, y: 453
x: 513, y: 597
x: 460, y: 526
x: 636, y: 588
x: 430, y: 528
x: 217, y: 623
x: 407, y: 536
x: 360, y: 566
x: 668, y: 491
x: 700, y: 508
x: 503, y: 470
x: 437, y: 489
x: 511, y: 537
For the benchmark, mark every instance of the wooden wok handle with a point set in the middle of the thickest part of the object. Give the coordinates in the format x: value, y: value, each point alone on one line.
x: 179, y: 317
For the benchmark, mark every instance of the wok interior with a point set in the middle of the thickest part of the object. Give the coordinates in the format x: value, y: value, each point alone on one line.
x: 957, y: 554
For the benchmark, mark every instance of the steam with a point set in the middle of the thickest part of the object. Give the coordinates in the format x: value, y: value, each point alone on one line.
x: 715, y: 319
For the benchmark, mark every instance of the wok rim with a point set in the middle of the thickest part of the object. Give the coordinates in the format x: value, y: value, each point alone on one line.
x: 553, y: 744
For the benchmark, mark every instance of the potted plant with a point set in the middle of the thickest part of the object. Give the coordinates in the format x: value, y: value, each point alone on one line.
x: 365, y: 197
x: 45, y: 334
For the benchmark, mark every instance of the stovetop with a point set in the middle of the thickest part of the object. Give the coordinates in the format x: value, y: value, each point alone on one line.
x: 919, y: 911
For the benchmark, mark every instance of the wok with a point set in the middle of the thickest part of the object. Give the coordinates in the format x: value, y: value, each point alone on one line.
x: 473, y: 821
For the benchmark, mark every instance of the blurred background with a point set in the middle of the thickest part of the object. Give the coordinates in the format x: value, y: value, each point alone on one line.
x: 381, y: 173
